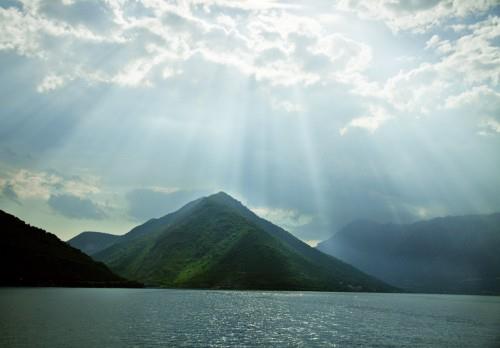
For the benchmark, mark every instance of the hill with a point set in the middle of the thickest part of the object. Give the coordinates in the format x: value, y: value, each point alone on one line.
x: 33, y: 257
x: 445, y: 255
x: 93, y: 242
x: 216, y: 242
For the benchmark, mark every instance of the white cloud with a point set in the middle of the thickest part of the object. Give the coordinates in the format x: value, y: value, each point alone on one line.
x: 24, y: 31
x: 276, y: 44
x: 416, y: 91
x: 244, y: 4
x: 19, y: 32
x: 313, y: 242
x: 162, y: 189
x: 50, y: 83
x: 169, y: 72
x: 417, y: 16
x: 483, y: 96
x: 491, y: 125
x: 287, y: 218
x: 286, y: 105
x: 375, y: 118
x: 135, y: 73
x: 435, y: 42
x: 267, y: 40
x: 29, y: 184
x: 466, y: 74
x: 345, y: 54
x: 432, y: 42
x: 80, y: 187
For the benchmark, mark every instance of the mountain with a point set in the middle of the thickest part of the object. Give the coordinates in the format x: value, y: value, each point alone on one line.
x: 33, y: 257
x: 93, y: 242
x: 216, y: 242
x: 445, y: 255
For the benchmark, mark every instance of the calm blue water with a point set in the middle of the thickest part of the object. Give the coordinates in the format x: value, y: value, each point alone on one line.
x: 52, y: 317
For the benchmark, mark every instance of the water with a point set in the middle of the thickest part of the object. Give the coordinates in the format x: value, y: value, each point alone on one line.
x: 52, y: 317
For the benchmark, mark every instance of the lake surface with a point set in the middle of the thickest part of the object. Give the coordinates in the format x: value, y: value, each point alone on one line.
x: 60, y: 317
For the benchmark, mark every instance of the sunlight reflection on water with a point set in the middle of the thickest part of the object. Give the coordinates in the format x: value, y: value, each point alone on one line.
x: 153, y: 317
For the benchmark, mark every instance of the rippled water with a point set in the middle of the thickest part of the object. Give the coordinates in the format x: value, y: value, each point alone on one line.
x: 54, y: 317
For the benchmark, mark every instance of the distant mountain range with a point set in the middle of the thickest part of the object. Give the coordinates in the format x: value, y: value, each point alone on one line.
x: 444, y: 255
x: 33, y: 257
x: 216, y: 242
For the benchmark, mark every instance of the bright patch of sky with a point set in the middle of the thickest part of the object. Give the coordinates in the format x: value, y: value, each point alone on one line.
x: 313, y: 114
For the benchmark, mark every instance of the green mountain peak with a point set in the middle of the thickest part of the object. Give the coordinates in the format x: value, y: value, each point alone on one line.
x: 216, y: 242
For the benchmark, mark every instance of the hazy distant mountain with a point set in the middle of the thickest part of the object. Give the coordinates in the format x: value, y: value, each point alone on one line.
x: 93, y: 242
x: 453, y: 254
x: 215, y: 242
x: 33, y: 257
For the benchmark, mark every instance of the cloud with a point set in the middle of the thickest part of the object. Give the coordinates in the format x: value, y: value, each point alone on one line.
x: 286, y: 105
x: 490, y: 125
x: 313, y: 242
x: 432, y: 42
x: 50, y: 83
x: 253, y: 97
x: 269, y: 42
x: 448, y: 83
x: 416, y: 16
x: 483, y: 97
x: 9, y: 192
x: 346, y: 55
x: 289, y: 219
x: 26, y: 31
x: 376, y: 117
x: 27, y: 184
x: 75, y: 207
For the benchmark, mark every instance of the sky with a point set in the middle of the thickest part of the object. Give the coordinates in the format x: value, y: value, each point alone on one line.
x: 312, y: 113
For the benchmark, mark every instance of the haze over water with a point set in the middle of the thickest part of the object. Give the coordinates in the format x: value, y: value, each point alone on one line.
x: 152, y: 317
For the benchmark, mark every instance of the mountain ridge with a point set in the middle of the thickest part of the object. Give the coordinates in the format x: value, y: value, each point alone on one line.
x: 455, y: 254
x: 216, y: 242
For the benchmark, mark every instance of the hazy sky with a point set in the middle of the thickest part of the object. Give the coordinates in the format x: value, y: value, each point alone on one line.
x: 312, y: 113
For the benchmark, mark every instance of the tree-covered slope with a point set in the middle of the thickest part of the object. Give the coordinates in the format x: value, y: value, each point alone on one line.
x: 213, y: 243
x: 33, y: 257
x: 445, y: 255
